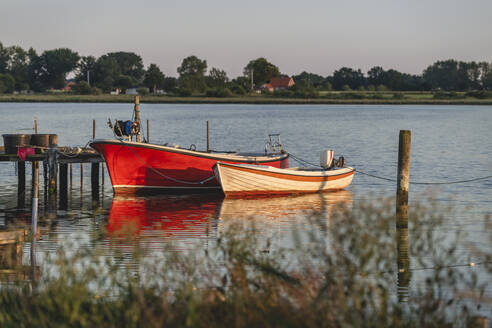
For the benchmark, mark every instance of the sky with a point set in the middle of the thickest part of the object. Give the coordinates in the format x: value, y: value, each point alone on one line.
x: 317, y: 36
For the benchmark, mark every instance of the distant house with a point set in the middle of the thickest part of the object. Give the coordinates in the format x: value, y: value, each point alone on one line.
x: 131, y: 91
x: 278, y: 83
x: 116, y: 91
x: 68, y: 85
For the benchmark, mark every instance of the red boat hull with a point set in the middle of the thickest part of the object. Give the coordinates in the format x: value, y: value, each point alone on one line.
x: 138, y: 168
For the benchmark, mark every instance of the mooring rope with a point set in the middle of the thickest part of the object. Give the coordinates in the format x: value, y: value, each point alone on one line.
x: 163, y: 175
x: 300, y: 160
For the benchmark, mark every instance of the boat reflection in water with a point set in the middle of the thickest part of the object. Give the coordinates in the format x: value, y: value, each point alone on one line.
x: 276, y: 218
x: 193, y: 220
x: 164, y: 218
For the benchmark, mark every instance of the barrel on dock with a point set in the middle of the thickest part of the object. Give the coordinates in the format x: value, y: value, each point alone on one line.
x: 43, y: 140
x: 12, y: 141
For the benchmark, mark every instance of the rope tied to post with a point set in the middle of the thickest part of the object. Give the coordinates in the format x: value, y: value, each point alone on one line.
x: 302, y: 161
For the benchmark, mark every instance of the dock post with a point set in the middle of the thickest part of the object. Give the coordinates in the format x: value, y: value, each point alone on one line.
x: 36, y: 125
x: 93, y: 129
x: 208, y: 137
x: 148, y: 131
x: 137, y: 117
x: 402, y: 241
x: 63, y: 177
x: 21, y: 184
x: 403, y: 179
x: 52, y: 168
x: 35, y: 197
x: 95, y: 182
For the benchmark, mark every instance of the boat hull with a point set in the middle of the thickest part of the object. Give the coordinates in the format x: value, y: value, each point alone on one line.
x: 140, y: 168
x: 246, y: 180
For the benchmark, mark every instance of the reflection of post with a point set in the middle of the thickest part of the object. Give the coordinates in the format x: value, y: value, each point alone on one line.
x: 63, y: 185
x: 95, y: 182
x: 403, y: 259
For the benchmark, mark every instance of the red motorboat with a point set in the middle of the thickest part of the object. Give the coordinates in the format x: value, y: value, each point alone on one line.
x: 137, y: 167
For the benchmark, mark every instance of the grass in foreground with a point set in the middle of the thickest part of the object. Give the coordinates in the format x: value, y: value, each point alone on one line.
x: 343, y: 273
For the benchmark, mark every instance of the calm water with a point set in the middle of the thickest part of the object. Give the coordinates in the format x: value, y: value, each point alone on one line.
x: 448, y: 143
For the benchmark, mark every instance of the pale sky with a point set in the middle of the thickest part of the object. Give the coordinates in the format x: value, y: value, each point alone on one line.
x: 318, y: 36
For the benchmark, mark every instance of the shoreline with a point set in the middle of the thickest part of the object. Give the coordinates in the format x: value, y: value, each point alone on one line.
x: 159, y: 99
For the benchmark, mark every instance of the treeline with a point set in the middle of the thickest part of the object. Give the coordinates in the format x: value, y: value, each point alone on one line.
x: 23, y: 70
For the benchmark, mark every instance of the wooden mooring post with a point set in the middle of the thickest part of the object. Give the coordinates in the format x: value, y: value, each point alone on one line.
x: 402, y: 241
x: 21, y: 184
x: 403, y: 179
x: 52, y: 171
x: 137, y: 117
x: 35, y: 197
x: 208, y: 137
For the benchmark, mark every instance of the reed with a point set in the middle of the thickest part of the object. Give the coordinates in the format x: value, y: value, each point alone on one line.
x: 343, y: 272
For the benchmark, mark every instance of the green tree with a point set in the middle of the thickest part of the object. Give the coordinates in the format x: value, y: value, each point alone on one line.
x: 346, y: 76
x: 106, y: 72
x: 7, y: 83
x: 82, y: 88
x: 153, y: 77
x: 217, y: 78
x: 262, y: 71
x: 4, y: 58
x: 170, y: 85
x: 375, y: 75
x: 311, y: 79
x: 35, y: 70
x: 86, y: 69
x: 124, y: 82
x: 442, y: 75
x: 18, y: 67
x: 129, y: 63
x: 56, y: 64
x: 192, y: 74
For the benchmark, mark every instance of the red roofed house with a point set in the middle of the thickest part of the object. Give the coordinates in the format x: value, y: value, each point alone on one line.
x: 278, y: 83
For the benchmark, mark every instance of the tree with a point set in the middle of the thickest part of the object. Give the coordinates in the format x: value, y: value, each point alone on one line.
x: 55, y: 66
x: 262, y: 71
x: 442, y: 75
x: 106, y: 72
x: 311, y: 79
x: 7, y: 83
x: 217, y: 78
x: 129, y: 63
x: 192, y: 74
x: 82, y: 88
x: 4, y: 58
x: 35, y: 70
x: 375, y: 76
x: 153, y: 77
x: 346, y: 76
x: 86, y: 69
x: 18, y: 67
x: 170, y: 84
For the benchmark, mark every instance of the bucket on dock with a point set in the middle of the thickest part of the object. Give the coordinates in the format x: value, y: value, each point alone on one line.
x: 43, y: 140
x: 12, y: 141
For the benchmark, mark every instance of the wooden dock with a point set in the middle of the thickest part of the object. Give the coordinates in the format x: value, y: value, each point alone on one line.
x: 57, y: 171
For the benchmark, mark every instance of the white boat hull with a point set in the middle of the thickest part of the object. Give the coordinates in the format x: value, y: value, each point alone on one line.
x: 242, y: 180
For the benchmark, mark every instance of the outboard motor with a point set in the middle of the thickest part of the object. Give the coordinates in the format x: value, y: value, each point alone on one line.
x: 326, y: 159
